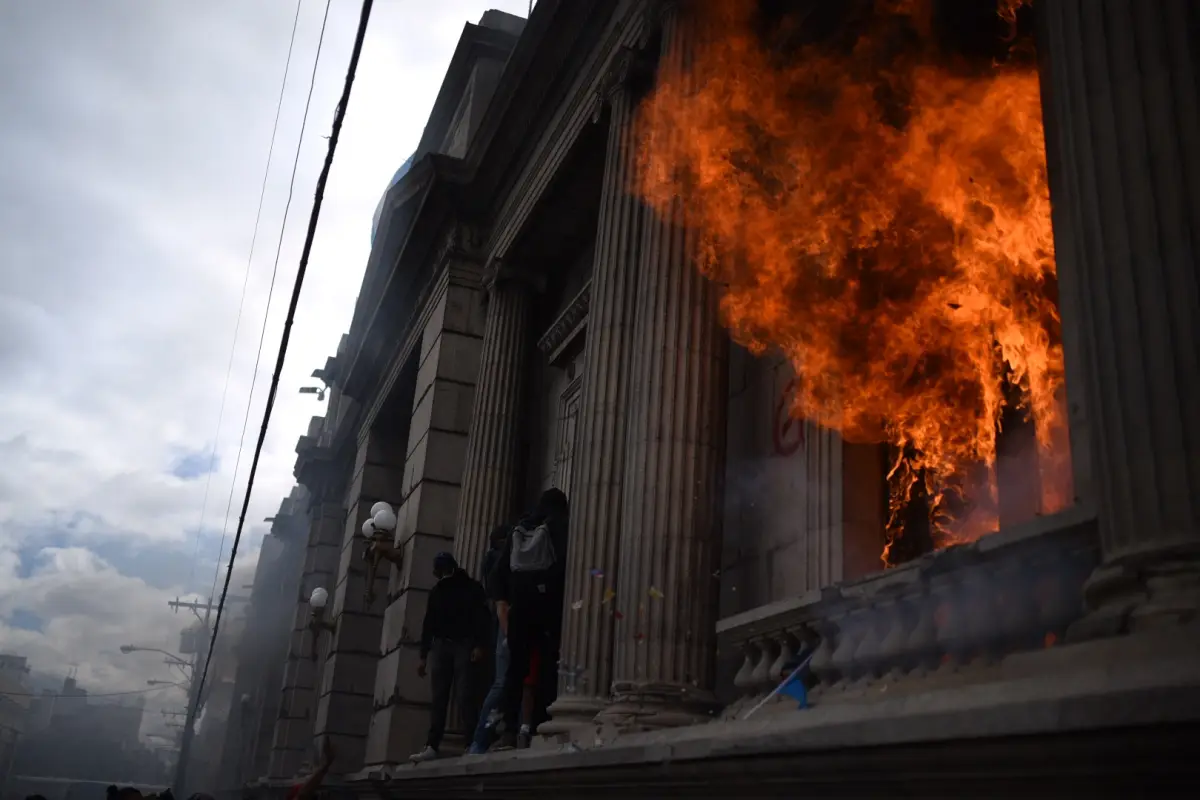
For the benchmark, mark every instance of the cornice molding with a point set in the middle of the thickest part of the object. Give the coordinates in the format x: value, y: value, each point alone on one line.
x: 558, y: 134
x: 567, y: 326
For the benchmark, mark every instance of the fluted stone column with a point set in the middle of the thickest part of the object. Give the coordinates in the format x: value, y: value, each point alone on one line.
x: 672, y: 495
x: 1122, y: 97
x: 587, y: 643
x: 490, y: 472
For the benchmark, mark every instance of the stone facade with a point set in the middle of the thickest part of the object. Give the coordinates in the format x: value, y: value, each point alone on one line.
x: 525, y: 322
x: 261, y: 649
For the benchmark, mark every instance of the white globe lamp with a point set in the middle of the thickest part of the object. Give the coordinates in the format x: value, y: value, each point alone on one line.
x: 318, y: 599
x: 384, y: 519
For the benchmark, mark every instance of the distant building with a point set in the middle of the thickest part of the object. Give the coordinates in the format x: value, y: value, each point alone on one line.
x: 80, y: 738
x: 14, y: 710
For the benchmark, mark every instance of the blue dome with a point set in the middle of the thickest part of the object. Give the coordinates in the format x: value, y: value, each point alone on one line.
x: 400, y: 173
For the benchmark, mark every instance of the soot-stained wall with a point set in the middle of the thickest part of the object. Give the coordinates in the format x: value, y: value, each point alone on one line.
x: 803, y: 509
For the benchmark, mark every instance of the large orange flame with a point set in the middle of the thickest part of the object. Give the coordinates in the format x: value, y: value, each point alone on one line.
x: 877, y: 211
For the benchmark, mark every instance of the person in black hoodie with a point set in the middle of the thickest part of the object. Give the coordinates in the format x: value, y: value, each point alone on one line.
x: 530, y: 579
x: 456, y: 632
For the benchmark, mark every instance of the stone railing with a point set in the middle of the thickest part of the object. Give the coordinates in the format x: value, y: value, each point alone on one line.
x: 948, y: 614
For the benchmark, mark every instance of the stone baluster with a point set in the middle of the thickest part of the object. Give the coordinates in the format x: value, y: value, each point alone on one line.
x: 768, y: 653
x: 1056, y: 596
x: 1015, y: 612
x: 491, y: 468
x: 897, y: 619
x: 789, y: 647
x: 671, y: 510
x: 853, y: 630
x: 595, y: 495
x: 744, y: 679
x: 950, y: 621
x: 920, y: 653
x: 979, y: 612
x: 867, y: 661
x: 822, y: 666
x: 1121, y: 84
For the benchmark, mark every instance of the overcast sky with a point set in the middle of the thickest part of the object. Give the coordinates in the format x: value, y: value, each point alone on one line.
x: 133, y: 139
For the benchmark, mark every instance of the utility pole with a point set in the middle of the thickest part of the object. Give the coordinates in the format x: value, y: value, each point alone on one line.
x: 198, y: 658
x: 189, y: 724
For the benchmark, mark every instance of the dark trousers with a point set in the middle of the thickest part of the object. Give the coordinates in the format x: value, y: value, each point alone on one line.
x: 451, y: 670
x: 530, y: 625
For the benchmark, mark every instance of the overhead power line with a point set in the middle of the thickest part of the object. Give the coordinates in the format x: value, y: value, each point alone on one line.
x: 212, y: 461
x: 319, y: 196
x: 88, y: 695
x: 262, y: 336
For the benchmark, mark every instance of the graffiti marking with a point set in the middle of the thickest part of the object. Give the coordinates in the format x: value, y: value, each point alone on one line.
x: 788, y: 432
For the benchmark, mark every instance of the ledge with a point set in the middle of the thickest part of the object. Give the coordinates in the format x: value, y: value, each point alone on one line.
x: 1131, y: 697
x: 1077, y: 522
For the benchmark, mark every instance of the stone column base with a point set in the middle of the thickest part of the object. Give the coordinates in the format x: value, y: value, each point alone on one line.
x: 650, y: 706
x: 1150, y: 589
x: 572, y: 715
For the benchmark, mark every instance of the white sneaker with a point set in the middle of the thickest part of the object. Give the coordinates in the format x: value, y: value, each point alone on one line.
x: 428, y: 754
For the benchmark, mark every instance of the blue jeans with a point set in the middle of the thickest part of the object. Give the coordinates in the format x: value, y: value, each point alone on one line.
x: 494, y: 697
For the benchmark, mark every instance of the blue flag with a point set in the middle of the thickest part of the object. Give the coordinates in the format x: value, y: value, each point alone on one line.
x: 793, y: 687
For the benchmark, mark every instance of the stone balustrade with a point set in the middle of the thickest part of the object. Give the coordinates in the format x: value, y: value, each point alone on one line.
x: 946, y: 617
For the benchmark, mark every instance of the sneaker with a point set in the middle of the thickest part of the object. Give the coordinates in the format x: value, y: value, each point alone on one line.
x: 524, y: 738
x: 428, y: 754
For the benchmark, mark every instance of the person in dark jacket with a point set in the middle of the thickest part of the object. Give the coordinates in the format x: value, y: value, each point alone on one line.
x: 530, y: 578
x: 455, y: 633
x: 496, y: 540
x: 484, y: 728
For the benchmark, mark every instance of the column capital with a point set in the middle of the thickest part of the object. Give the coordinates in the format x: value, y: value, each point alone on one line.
x: 659, y: 10
x: 459, y: 239
x: 500, y: 274
x: 628, y: 72
x: 655, y: 14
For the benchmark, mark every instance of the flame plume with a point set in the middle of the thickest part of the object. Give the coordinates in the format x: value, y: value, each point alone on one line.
x: 876, y: 208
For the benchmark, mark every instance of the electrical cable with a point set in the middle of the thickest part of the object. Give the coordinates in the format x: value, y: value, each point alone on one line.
x: 319, y: 196
x: 262, y: 336
x: 212, y: 461
x: 89, y: 694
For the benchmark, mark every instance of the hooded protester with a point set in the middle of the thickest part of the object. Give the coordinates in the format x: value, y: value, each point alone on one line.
x: 456, y: 632
x: 530, y: 579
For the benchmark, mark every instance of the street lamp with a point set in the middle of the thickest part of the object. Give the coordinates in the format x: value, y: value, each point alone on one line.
x: 188, y: 668
x: 317, y: 621
x: 178, y: 661
x: 378, y: 530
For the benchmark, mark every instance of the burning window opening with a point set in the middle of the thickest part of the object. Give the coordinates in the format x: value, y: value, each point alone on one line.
x: 868, y: 185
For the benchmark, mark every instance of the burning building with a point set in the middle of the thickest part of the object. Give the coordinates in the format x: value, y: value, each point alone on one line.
x: 860, y: 335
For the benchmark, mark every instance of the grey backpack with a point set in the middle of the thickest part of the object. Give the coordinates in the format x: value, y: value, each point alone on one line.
x: 532, y: 550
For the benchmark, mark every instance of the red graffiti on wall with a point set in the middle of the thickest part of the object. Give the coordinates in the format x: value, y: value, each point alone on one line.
x: 787, y: 431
